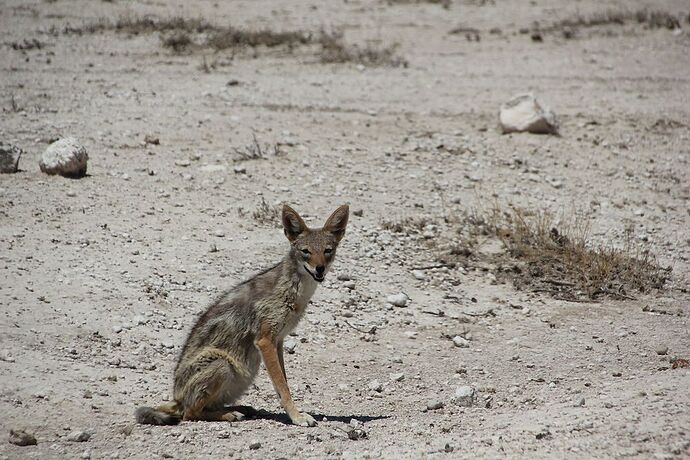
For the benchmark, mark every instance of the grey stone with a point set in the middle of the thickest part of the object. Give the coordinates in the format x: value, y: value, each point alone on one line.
x: 434, y: 404
x: 464, y: 396
x: 662, y: 350
x: 255, y: 445
x: 419, y: 275
x: 397, y: 376
x: 78, y: 436
x: 461, y: 342
x: 355, y: 434
x: 9, y: 158
x: 66, y: 157
x: 376, y: 386
x: 524, y: 113
x: 21, y: 438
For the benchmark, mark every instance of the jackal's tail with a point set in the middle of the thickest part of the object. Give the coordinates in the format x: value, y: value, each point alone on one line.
x: 167, y: 414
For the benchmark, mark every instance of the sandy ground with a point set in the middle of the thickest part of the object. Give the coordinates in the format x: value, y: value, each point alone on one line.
x: 103, y: 276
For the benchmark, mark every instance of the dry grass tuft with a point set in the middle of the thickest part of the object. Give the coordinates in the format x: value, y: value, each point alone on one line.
x: 335, y: 50
x: 231, y: 37
x: 266, y: 214
x: 406, y: 225
x: 653, y: 19
x: 142, y: 24
x: 444, y: 3
x: 257, y: 151
x: 178, y: 41
x: 179, y: 34
x: 27, y: 44
x: 557, y: 257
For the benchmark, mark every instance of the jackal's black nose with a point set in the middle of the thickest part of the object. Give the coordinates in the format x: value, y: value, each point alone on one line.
x: 320, y: 269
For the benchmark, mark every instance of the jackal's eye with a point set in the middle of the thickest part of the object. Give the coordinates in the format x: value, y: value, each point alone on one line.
x: 305, y: 252
x: 328, y: 251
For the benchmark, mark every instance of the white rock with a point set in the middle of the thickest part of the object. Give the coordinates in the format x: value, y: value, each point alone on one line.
x: 240, y: 170
x: 434, y: 404
x: 78, y: 436
x: 9, y: 158
x: 289, y: 346
x: 464, y: 396
x: 461, y: 342
x: 375, y: 385
x: 524, y: 113
x: 399, y: 300
x: 419, y: 275
x: 139, y: 320
x: 66, y: 157
x: 6, y: 356
x: 397, y: 377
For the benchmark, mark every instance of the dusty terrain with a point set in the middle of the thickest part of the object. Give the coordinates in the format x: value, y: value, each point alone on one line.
x: 102, y: 276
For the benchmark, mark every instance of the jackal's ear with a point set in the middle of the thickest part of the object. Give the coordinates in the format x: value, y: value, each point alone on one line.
x: 337, y: 222
x: 293, y: 225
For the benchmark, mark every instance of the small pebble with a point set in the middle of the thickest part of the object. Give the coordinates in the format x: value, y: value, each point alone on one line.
x: 254, y: 445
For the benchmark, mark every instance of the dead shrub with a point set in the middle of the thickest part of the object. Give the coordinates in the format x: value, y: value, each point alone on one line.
x: 231, y: 37
x: 256, y: 150
x: 335, y: 50
x: 27, y: 44
x: 544, y: 254
x: 406, y: 225
x: 178, y: 41
x: 266, y: 214
x: 444, y: 3
x: 178, y: 34
x: 653, y: 19
x: 141, y: 24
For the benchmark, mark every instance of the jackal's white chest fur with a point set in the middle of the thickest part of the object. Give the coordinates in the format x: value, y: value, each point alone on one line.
x: 305, y: 291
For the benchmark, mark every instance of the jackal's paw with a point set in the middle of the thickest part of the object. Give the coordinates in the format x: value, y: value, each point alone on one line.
x: 303, y: 419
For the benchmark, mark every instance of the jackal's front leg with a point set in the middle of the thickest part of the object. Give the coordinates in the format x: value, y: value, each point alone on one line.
x: 269, y: 352
x: 281, y: 359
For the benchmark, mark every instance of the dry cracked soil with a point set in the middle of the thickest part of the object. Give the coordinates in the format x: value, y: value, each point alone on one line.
x: 191, y: 147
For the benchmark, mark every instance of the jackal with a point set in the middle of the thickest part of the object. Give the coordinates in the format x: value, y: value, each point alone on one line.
x: 223, y: 351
